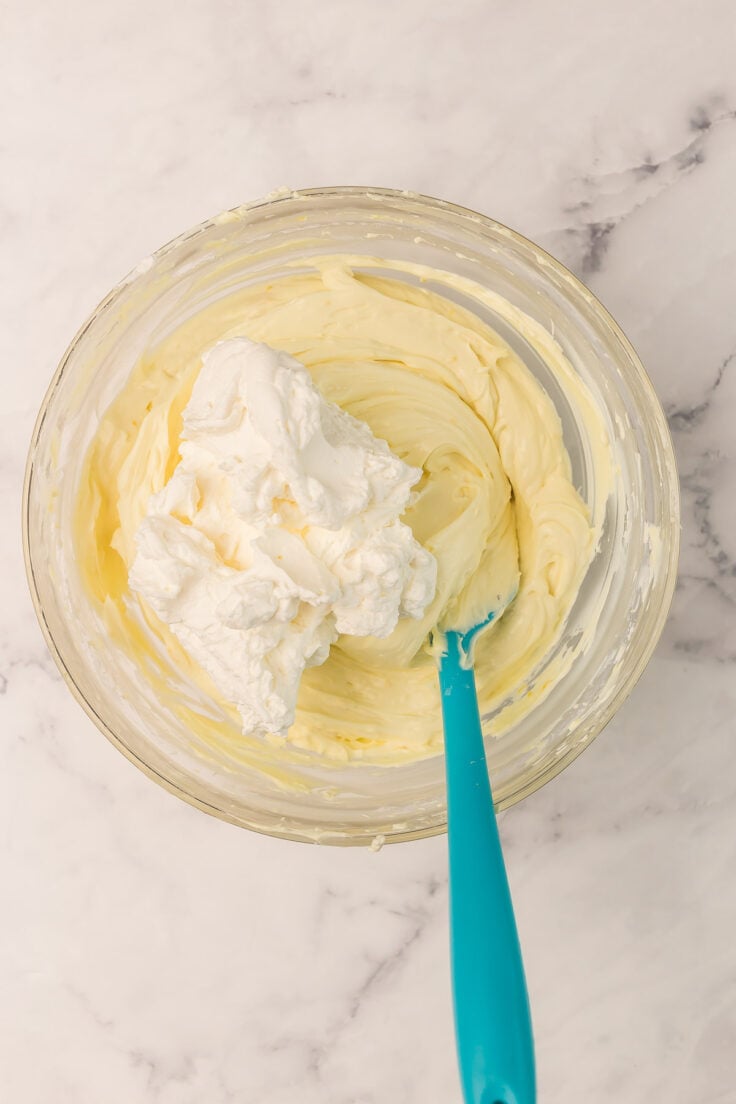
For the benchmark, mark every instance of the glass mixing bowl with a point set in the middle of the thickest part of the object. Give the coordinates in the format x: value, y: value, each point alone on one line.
x: 634, y: 567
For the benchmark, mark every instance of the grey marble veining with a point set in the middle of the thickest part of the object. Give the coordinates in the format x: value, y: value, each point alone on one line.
x: 151, y: 954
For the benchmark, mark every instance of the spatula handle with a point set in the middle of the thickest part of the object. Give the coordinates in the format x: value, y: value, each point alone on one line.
x: 492, y: 1021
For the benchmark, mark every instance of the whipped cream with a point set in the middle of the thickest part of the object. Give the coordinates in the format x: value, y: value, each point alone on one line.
x: 279, y: 530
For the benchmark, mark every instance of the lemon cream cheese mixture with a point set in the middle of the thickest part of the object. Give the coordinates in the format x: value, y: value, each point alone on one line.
x: 308, y: 480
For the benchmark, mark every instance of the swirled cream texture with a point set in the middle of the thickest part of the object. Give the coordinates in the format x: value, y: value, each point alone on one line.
x: 495, y: 505
x: 278, y: 531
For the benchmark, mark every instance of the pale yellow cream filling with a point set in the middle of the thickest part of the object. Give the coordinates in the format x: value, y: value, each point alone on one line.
x: 496, y: 505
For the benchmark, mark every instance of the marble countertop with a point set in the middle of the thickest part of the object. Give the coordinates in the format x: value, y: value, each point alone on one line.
x: 152, y: 955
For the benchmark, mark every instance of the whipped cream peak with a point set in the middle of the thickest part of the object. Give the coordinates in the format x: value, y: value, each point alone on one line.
x: 279, y: 530
x: 292, y: 455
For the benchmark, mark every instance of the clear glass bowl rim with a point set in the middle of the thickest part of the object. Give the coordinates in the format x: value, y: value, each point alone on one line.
x: 636, y: 659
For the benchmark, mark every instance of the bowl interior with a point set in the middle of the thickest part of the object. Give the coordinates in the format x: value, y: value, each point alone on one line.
x: 624, y: 597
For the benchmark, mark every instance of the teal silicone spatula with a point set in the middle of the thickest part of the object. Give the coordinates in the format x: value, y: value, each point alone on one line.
x: 492, y: 1022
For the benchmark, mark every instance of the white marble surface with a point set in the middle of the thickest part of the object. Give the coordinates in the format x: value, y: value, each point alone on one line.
x: 152, y: 955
